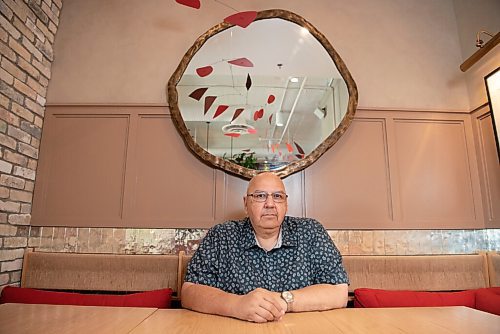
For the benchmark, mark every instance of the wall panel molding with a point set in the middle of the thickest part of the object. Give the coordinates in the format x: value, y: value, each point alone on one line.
x: 489, y: 167
x: 435, y: 177
x: 94, y: 191
x: 350, y: 185
x: 361, y: 183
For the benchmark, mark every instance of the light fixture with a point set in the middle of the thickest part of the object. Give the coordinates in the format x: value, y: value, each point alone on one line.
x: 484, y: 48
x: 479, y: 41
x: 294, y: 79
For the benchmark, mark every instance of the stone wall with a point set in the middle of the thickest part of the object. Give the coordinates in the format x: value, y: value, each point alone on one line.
x: 27, y: 33
x: 349, y: 242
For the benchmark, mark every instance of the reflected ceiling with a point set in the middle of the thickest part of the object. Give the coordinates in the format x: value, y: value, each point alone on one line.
x: 272, y: 96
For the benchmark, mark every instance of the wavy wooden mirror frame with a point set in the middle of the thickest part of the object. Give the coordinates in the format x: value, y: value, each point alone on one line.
x: 234, y: 168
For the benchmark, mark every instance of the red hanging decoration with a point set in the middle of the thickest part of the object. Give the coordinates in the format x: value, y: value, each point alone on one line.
x: 258, y: 114
x: 301, y: 151
x: 204, y: 71
x: 243, y: 62
x: 242, y: 19
x: 198, y: 93
x: 249, y: 82
x: 209, y: 100
x: 271, y: 99
x: 237, y: 112
x: 230, y: 134
x: 220, y: 110
x: 190, y: 3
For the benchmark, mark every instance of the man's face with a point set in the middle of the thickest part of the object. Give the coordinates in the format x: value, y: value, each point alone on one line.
x: 267, y: 215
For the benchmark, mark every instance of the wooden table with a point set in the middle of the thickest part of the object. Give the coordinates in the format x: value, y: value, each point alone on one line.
x: 30, y: 318
x: 387, y: 320
x: 46, y: 319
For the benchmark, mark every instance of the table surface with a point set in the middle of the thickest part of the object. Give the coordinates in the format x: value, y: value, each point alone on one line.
x: 26, y: 318
x: 382, y: 320
x: 37, y: 318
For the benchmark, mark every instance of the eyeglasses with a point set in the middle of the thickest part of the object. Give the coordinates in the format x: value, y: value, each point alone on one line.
x: 261, y: 196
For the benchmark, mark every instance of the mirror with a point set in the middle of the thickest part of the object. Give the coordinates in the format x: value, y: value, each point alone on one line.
x: 272, y: 96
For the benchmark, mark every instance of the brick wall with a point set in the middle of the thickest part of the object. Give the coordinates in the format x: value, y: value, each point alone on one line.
x: 27, y: 32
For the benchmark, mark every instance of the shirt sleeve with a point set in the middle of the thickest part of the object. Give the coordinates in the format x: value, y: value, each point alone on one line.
x: 327, y: 259
x: 203, y: 267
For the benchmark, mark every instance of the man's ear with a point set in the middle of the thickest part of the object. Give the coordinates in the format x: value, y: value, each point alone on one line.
x: 245, y: 204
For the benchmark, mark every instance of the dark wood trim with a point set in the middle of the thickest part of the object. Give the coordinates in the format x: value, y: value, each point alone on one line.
x: 480, y: 53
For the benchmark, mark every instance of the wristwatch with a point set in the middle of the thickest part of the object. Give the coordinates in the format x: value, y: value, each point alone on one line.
x: 288, y: 297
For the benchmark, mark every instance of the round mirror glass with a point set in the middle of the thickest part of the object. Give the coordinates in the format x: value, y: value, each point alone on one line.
x: 272, y: 96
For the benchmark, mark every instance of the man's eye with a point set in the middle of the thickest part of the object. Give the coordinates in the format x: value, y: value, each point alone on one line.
x: 278, y: 196
x: 260, y: 195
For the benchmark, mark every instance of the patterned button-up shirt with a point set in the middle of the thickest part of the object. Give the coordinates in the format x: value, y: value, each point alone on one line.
x: 230, y: 259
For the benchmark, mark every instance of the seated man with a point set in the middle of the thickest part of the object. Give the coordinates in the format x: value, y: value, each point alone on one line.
x: 258, y: 268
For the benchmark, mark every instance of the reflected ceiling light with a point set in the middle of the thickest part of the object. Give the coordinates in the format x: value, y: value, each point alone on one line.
x: 279, y: 119
x: 320, y: 112
x: 294, y: 79
x: 239, y: 129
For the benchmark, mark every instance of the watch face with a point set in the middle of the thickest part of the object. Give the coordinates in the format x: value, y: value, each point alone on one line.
x: 287, y: 296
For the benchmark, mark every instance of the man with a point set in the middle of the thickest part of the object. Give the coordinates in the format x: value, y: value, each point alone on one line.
x: 267, y: 264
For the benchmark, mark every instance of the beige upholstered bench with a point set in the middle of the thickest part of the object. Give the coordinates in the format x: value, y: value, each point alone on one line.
x: 133, y: 273
x: 494, y: 268
x: 99, y: 272
x: 409, y: 272
x: 417, y: 272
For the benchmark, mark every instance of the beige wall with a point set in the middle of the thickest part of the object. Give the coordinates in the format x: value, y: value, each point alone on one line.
x: 402, y: 54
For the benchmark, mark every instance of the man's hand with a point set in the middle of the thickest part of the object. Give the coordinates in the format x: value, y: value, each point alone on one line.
x: 260, y: 305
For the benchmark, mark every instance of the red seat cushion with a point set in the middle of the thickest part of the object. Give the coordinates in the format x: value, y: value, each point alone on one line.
x: 156, y: 298
x: 365, y: 297
x: 488, y: 300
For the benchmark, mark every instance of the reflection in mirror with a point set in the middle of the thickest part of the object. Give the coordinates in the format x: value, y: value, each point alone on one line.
x: 272, y: 96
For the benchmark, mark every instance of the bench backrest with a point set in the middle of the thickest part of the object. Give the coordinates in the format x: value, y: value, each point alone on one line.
x: 494, y: 268
x: 183, y: 263
x: 111, y: 272
x: 99, y: 272
x: 417, y: 272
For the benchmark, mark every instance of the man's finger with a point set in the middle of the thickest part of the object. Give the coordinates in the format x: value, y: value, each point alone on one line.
x: 277, y: 302
x: 271, y: 307
x: 262, y: 315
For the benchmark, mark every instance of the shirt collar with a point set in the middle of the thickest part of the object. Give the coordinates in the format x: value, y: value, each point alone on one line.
x: 278, y: 242
x: 285, y: 238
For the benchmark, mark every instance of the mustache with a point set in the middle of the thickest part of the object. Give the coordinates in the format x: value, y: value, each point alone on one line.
x: 269, y: 213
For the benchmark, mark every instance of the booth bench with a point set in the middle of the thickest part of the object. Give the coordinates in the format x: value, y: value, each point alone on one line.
x: 155, y: 280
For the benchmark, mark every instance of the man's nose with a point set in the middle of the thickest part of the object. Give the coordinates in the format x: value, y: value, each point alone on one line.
x: 269, y: 201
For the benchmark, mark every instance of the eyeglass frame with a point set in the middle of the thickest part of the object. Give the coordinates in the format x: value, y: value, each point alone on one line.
x: 267, y: 196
